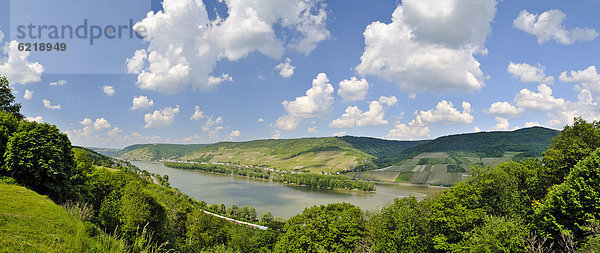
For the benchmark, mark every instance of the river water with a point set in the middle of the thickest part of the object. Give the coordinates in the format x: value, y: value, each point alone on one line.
x: 281, y: 199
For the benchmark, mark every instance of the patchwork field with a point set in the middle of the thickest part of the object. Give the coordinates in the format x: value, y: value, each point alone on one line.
x: 435, y: 168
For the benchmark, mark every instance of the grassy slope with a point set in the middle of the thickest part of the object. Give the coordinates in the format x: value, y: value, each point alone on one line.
x: 30, y: 222
x: 158, y: 151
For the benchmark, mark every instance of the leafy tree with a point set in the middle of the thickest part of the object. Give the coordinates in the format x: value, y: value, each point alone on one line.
x: 138, y: 210
x: 568, y: 148
x: 497, y: 234
x: 8, y: 125
x: 7, y: 99
x: 204, y: 230
x: 400, y: 227
x: 571, y: 206
x: 332, y: 228
x: 39, y: 156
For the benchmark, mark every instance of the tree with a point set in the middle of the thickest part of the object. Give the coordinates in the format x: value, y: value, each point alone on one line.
x: 8, y: 125
x: 568, y: 148
x: 571, y: 206
x: 7, y: 99
x: 497, y: 234
x: 331, y: 228
x: 138, y: 210
x: 400, y: 227
x: 39, y: 156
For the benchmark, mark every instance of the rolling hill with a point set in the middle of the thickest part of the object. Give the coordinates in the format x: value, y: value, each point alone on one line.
x: 453, y: 153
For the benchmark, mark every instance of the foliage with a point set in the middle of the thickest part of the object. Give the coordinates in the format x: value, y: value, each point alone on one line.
x: 572, y: 205
x: 331, y: 228
x: 7, y: 99
x: 39, y: 156
x: 497, y: 234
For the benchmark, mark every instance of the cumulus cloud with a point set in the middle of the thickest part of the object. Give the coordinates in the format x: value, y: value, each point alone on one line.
x: 422, y: 49
x: 588, y: 78
x: 49, y: 105
x: 28, y: 94
x: 141, y: 102
x: 17, y: 68
x: 101, y: 123
x: 353, y: 89
x: 212, y: 126
x: 532, y: 124
x: 114, y: 132
x: 86, y: 122
x: 286, y: 69
x: 445, y: 113
x: 504, y: 109
x: 373, y: 117
x: 108, y: 90
x: 549, y: 26
x: 584, y: 107
x: 37, y: 119
x: 161, y: 118
x: 415, y: 129
x: 341, y: 133
x: 261, y: 120
x: 316, y: 103
x: 502, y: 124
x: 235, y: 133
x: 312, y: 129
x: 197, y: 114
x: 538, y: 101
x: 185, y: 45
x: 214, y: 80
x: 59, y: 82
x: 1, y: 36
x: 527, y: 73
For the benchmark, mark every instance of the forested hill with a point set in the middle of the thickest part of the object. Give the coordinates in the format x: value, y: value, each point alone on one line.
x: 348, y: 152
x: 530, y: 142
x: 157, y: 151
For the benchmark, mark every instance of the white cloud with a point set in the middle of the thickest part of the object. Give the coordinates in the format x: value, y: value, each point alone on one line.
x: 185, y: 45
x: 86, y: 122
x: 235, y: 133
x: 213, y: 126
x: 114, y: 132
x: 286, y: 69
x: 588, y: 78
x: 532, y: 124
x: 316, y: 103
x: 477, y: 129
x: 214, y: 80
x: 502, y: 124
x: 28, y: 94
x: 59, y: 82
x: 108, y: 90
x: 415, y: 129
x: 312, y: 129
x: 445, y: 113
x: 584, y: 107
x: 161, y: 118
x: 261, y: 120
x: 540, y: 101
x: 505, y: 109
x: 48, y: 105
x: 549, y: 26
x: 37, y: 119
x: 353, y: 89
x: 422, y: 49
x: 373, y: 117
x: 342, y: 133
x: 276, y: 135
x: 16, y: 68
x: 197, y: 114
x: 1, y: 36
x: 101, y: 123
x: 141, y: 102
x: 527, y: 73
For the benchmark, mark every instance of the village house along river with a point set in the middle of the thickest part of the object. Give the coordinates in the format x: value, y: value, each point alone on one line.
x: 281, y: 199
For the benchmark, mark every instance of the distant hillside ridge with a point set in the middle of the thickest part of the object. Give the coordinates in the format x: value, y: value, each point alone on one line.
x: 330, y: 154
x: 530, y: 142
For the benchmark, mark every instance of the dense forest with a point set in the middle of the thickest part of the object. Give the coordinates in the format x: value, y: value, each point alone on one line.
x: 535, y: 205
x: 311, y: 180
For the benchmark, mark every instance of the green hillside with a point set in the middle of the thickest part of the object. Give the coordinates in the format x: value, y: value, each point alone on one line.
x: 154, y: 152
x: 348, y: 153
x: 30, y: 222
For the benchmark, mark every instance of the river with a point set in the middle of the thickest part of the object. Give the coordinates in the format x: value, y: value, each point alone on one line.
x: 281, y: 199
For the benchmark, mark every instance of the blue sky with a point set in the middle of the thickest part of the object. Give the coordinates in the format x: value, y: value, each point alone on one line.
x: 211, y: 70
